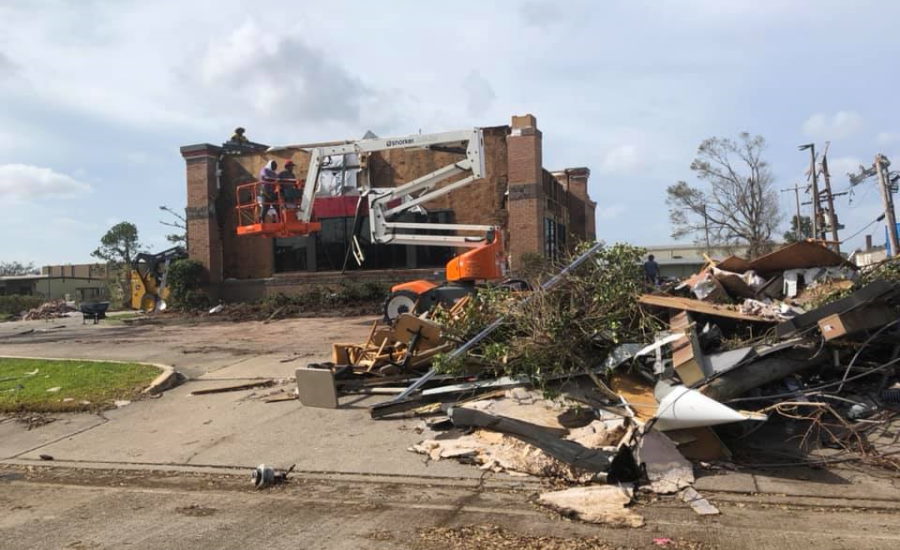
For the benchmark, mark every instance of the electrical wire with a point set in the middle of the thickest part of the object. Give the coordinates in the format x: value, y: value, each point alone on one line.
x: 860, y: 350
x: 817, y: 388
x: 876, y: 220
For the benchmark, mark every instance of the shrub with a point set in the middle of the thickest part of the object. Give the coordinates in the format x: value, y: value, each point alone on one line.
x: 563, y: 331
x: 15, y: 304
x: 184, y: 279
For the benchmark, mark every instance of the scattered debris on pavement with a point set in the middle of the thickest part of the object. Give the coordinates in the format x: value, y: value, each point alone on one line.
x: 599, y: 381
x: 265, y: 476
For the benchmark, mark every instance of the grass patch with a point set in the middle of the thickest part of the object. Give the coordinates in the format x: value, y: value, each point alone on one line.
x: 83, y: 385
x: 125, y: 318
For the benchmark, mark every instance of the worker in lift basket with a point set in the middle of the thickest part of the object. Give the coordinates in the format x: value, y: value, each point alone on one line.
x: 288, y: 182
x: 266, y: 195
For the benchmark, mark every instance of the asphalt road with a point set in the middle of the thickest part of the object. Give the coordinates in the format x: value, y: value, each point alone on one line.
x: 64, y: 508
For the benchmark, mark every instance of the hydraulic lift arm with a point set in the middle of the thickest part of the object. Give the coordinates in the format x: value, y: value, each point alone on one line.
x: 383, y: 202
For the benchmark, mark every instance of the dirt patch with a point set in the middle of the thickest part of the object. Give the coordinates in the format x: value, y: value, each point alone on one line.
x: 195, y: 511
x: 479, y: 537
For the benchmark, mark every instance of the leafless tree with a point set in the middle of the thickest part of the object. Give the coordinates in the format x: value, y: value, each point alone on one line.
x: 179, y: 222
x: 739, y: 206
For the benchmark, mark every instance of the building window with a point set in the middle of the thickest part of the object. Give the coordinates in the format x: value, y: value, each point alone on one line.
x: 327, y: 249
x: 550, y: 250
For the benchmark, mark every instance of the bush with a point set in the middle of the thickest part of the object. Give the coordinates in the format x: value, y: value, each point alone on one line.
x: 184, y: 279
x: 15, y: 304
x: 533, y: 267
x: 563, y: 331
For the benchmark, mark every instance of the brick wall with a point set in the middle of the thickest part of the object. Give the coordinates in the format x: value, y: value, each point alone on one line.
x: 526, y: 201
x: 203, y: 227
x: 516, y: 194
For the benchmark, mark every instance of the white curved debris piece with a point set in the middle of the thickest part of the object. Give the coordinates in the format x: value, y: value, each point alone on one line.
x: 683, y: 407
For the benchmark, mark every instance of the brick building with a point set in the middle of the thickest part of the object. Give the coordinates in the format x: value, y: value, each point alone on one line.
x: 541, y: 212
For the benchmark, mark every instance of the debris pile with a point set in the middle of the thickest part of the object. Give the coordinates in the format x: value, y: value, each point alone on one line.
x: 788, y: 357
x: 53, y: 309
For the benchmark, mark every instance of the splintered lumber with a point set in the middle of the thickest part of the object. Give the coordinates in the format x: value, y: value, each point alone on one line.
x: 687, y: 357
x: 738, y: 381
x: 239, y: 387
x: 545, y: 439
x: 858, y: 320
x: 877, y: 290
x: 408, y: 326
x: 636, y: 393
x: 697, y: 306
x: 799, y: 255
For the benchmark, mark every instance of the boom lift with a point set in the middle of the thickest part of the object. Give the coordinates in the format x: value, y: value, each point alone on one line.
x: 484, y: 262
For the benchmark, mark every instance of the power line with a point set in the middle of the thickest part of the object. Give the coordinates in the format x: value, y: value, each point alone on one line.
x: 876, y: 220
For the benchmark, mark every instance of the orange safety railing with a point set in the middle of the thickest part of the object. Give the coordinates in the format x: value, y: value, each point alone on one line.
x: 269, y: 209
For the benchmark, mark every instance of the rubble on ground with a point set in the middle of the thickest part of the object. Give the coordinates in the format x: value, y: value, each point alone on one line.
x: 601, y: 383
x: 53, y: 309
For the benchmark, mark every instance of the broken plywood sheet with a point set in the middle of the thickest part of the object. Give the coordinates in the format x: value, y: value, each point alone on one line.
x: 667, y: 470
x: 799, y: 255
x: 606, y: 504
x: 687, y: 304
x: 734, y: 264
x: 868, y: 317
x: 525, y: 405
x: 637, y: 393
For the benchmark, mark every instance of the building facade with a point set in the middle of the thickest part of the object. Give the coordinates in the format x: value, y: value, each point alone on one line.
x: 79, y: 283
x: 541, y: 212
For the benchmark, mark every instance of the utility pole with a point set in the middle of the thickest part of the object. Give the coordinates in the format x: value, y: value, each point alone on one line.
x: 832, y: 216
x: 796, y: 189
x: 815, y: 191
x: 881, y: 165
x: 706, y: 229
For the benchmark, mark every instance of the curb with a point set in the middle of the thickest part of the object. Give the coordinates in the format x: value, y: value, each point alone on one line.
x: 166, y: 380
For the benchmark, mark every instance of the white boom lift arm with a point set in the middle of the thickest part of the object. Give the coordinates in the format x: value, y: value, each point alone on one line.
x: 414, y: 193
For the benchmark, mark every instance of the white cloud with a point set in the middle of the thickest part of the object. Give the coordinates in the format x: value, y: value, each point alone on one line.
x: 610, y: 212
x: 7, y: 67
x: 839, y: 167
x: 279, y: 77
x: 25, y: 182
x: 479, y: 94
x: 621, y: 158
x: 541, y: 13
x: 840, y: 125
x: 887, y: 138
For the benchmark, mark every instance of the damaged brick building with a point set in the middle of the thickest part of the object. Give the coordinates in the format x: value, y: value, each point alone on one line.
x: 541, y: 212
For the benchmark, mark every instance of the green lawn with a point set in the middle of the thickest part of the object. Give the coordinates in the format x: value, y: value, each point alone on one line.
x: 83, y: 385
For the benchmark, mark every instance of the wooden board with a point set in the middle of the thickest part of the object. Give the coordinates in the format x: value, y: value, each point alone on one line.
x: 861, y: 319
x: 408, y: 325
x: 687, y: 304
x: 800, y: 255
x: 734, y: 264
x: 637, y: 393
x: 687, y: 358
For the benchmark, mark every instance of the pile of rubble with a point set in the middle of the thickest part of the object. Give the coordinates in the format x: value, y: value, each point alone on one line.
x: 53, y: 309
x: 790, y: 357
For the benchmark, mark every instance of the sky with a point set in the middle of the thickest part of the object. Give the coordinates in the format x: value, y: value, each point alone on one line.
x: 96, y: 97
